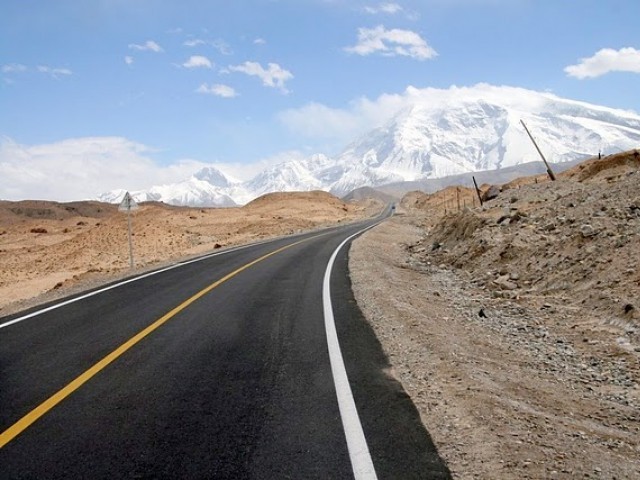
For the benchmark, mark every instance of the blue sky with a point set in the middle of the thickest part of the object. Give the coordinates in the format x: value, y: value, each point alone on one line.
x: 101, y: 94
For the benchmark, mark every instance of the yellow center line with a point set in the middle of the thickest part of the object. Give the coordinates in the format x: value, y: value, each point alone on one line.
x: 31, y: 417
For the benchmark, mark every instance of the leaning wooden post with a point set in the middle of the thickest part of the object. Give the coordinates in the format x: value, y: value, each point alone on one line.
x: 477, y: 190
x: 549, y: 171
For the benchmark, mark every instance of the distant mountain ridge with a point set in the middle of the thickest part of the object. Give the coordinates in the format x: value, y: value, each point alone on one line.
x: 438, y: 134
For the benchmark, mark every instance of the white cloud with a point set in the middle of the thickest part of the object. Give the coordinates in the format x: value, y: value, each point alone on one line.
x: 194, y: 42
x: 197, y: 61
x: 219, y: 90
x: 341, y: 125
x: 260, y: 41
x: 54, y: 72
x: 82, y: 168
x: 128, y: 60
x: 394, y: 42
x: 390, y: 8
x: 14, y: 68
x: 222, y: 47
x: 274, y: 76
x: 148, y: 46
x: 605, y: 61
x: 247, y: 171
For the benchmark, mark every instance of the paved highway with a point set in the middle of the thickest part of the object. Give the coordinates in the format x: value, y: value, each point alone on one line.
x: 229, y: 367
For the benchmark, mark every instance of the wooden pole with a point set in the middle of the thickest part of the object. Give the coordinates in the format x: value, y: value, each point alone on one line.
x: 477, y: 190
x: 549, y: 171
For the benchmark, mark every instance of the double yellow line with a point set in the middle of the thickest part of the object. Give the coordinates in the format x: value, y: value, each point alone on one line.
x: 31, y: 417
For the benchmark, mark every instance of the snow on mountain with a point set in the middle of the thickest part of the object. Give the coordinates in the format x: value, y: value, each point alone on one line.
x: 206, y: 188
x: 439, y: 133
x: 448, y: 132
x: 214, y: 177
x: 295, y: 175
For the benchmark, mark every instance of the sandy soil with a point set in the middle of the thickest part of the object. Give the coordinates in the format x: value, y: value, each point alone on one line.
x: 49, y: 250
x: 515, y: 327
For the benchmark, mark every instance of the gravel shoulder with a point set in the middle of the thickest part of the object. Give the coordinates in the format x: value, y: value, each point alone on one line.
x: 512, y: 388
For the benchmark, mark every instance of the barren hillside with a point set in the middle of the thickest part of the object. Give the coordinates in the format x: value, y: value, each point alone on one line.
x: 515, y: 326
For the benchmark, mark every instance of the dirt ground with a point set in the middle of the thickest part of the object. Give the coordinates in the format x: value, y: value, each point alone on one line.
x: 49, y: 250
x: 515, y: 327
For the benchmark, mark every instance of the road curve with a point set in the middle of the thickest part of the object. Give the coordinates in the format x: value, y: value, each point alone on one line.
x: 218, y: 368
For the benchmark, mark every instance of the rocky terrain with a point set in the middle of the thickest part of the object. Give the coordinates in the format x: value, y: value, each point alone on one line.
x: 49, y: 249
x: 515, y: 326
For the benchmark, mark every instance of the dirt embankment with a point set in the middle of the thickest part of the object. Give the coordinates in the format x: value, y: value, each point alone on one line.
x: 50, y: 249
x: 515, y: 327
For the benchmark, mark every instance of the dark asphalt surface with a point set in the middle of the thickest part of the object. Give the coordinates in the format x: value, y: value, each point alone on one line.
x: 238, y: 385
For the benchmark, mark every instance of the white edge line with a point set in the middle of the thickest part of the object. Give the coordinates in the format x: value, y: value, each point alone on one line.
x: 359, y: 454
x: 116, y: 285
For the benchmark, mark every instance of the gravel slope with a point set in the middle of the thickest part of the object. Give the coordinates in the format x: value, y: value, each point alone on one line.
x: 518, y: 338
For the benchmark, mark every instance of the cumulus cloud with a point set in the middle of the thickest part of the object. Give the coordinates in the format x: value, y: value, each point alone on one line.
x: 128, y: 60
x: 54, y: 72
x: 605, y: 61
x: 197, y: 61
x: 82, y: 168
x: 274, y: 76
x: 148, y: 46
x: 390, y: 8
x: 220, y: 90
x: 259, y: 41
x: 391, y: 43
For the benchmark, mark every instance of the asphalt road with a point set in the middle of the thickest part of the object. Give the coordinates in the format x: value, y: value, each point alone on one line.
x: 216, y: 369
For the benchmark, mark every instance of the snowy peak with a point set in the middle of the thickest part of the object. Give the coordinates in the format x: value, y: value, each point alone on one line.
x: 449, y: 132
x: 437, y: 133
x: 214, y: 177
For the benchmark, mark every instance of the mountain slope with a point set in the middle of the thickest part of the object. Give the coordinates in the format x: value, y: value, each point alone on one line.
x: 460, y: 130
x: 438, y: 133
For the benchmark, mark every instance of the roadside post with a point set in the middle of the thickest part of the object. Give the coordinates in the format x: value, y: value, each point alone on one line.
x: 475, y: 184
x: 546, y: 164
x: 127, y: 205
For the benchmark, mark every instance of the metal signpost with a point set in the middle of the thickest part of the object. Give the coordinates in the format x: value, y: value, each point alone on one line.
x: 127, y: 205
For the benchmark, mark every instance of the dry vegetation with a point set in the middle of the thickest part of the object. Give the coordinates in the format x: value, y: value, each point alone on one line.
x: 515, y: 327
x: 50, y: 249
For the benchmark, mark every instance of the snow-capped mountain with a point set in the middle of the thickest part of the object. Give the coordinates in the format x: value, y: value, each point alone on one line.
x: 460, y: 130
x: 295, y: 175
x: 438, y: 133
x: 207, y: 187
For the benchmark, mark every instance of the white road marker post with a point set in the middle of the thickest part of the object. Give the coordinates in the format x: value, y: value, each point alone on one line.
x: 128, y: 204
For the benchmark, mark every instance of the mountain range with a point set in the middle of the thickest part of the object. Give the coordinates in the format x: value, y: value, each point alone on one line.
x: 437, y: 134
